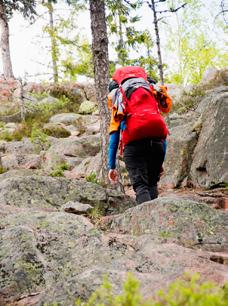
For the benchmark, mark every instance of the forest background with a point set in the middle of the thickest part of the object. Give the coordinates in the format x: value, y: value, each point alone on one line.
x: 192, y: 37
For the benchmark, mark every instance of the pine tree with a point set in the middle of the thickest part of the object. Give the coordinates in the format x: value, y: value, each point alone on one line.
x: 101, y: 72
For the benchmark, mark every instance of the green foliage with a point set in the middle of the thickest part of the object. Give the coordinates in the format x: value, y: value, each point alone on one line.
x: 39, y: 114
x: 39, y: 96
x: 27, y: 8
x: 122, y: 23
x: 197, y: 58
x: 17, y: 135
x: 188, y: 291
x: 192, y: 292
x: 2, y: 124
x: 38, y: 136
x: 193, y: 44
x: 56, y: 130
x: 2, y: 170
x: 70, y: 54
x: 84, y: 64
x: 189, y: 100
x: 59, y: 169
x: 92, y: 178
x: 43, y: 111
x: 95, y: 215
x: 104, y: 296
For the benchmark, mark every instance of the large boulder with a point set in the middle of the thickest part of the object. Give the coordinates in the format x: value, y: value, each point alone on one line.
x: 214, y: 77
x: 12, y: 161
x: 89, y: 91
x: 175, y: 91
x: 210, y: 159
x: 91, y: 124
x: 66, y: 118
x: 88, y: 166
x: 181, y: 144
x: 185, y: 222
x: 196, y: 152
x: 23, y: 147
x: 66, y: 149
x: 57, y: 257
x: 35, y: 191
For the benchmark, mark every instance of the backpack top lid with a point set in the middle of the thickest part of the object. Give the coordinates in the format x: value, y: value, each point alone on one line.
x: 128, y: 72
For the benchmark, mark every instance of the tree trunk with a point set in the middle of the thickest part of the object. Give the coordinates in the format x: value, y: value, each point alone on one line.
x: 5, y: 49
x: 160, y: 67
x: 54, y: 48
x: 101, y: 73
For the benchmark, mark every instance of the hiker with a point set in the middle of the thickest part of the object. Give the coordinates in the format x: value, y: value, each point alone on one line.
x: 136, y: 123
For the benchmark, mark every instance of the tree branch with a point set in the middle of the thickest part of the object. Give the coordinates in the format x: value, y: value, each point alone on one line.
x: 173, y: 10
x: 223, y: 11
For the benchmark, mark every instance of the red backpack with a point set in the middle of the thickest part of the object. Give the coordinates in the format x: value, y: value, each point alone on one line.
x: 143, y: 118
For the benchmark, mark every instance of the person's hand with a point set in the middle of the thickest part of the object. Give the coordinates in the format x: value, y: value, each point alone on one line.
x: 113, y: 176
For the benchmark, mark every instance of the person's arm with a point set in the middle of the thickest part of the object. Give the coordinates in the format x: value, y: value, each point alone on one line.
x: 112, y: 150
x: 165, y: 101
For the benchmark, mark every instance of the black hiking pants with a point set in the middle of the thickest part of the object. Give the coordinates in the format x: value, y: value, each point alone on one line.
x: 143, y: 160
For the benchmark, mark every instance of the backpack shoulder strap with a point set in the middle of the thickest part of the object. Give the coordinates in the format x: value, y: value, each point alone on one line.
x: 125, y: 99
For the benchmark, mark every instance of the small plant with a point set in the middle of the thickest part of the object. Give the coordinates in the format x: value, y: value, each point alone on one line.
x: 104, y: 296
x: 189, y: 291
x: 96, y: 214
x: 22, y: 131
x: 2, y: 124
x: 38, y: 136
x: 165, y: 234
x: 5, y: 135
x: 92, y: 178
x: 56, y: 131
x: 59, y: 170
x: 189, y: 100
x: 39, y: 96
x: 2, y: 170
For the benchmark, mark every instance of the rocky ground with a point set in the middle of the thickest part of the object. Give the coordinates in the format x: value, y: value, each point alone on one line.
x: 61, y: 231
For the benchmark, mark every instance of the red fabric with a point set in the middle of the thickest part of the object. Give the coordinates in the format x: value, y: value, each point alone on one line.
x: 143, y: 119
x: 128, y: 72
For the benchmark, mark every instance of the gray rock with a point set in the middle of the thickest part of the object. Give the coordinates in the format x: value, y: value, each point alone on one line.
x: 35, y: 191
x: 197, y: 153
x: 66, y: 118
x: 72, y: 147
x: 209, y: 75
x: 181, y: 144
x: 23, y: 147
x: 49, y: 257
x: 73, y: 130
x: 77, y: 208
x: 11, y: 127
x: 89, y: 91
x: 57, y: 130
x: 12, y: 161
x: 175, y: 92
x: 48, y: 100
x: 210, y: 159
x: 87, y: 107
x: 88, y: 166
x: 185, y: 222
